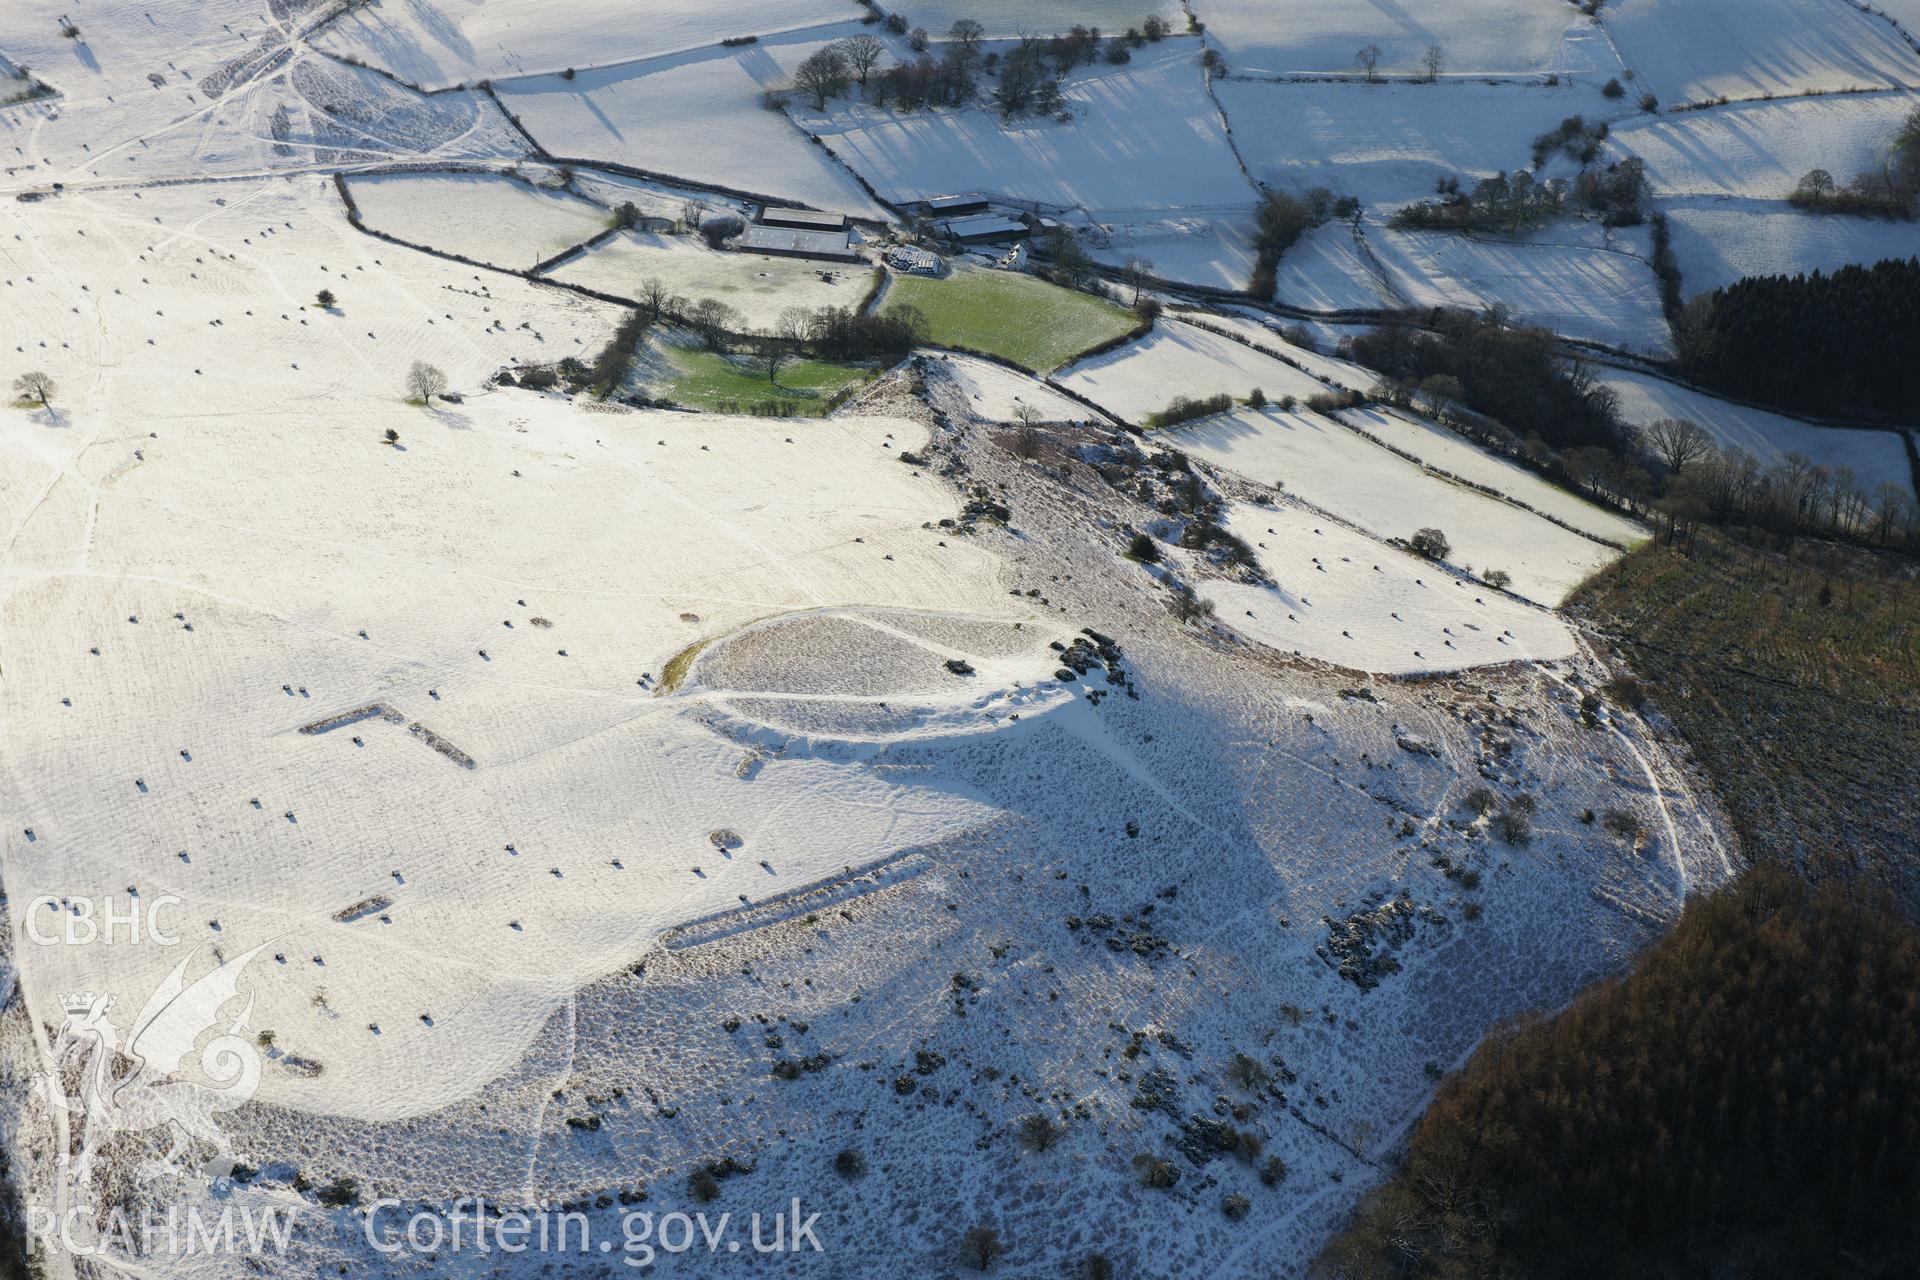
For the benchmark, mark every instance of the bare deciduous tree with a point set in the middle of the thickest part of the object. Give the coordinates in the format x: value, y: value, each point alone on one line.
x: 981, y: 1247
x: 1039, y: 1133
x: 770, y: 353
x: 424, y: 382
x: 1187, y: 607
x: 1677, y: 442
x: 773, y: 347
x: 825, y: 74
x: 1434, y: 59
x: 1817, y: 187
x: 1905, y: 153
x: 966, y: 35
x: 1368, y: 60
x: 654, y: 294
x: 713, y: 320
x: 795, y: 323
x: 34, y: 385
x: 863, y: 53
x: 1026, y: 438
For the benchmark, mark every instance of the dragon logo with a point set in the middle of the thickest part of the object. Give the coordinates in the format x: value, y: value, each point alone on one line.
x: 185, y: 1058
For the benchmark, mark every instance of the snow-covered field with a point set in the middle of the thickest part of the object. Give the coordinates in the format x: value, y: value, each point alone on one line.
x: 1037, y: 17
x: 1328, y: 269
x: 1139, y: 379
x: 1211, y: 248
x: 1572, y: 280
x: 441, y: 552
x: 1263, y: 330
x: 1338, y: 471
x: 488, y: 217
x: 756, y: 285
x: 999, y: 394
x: 1576, y: 279
x: 262, y: 103
x: 1761, y: 150
x: 1723, y: 175
x: 1874, y: 457
x: 698, y: 116
x: 1341, y: 597
x: 1389, y: 143
x: 1700, y: 50
x: 667, y: 201
x: 437, y: 43
x: 118, y: 45
x: 1144, y: 136
x: 1718, y: 243
x: 1443, y: 450
x: 1504, y: 37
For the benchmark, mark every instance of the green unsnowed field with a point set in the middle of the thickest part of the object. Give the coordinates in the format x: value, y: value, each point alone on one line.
x: 1036, y: 325
x: 718, y: 383
x: 1796, y: 679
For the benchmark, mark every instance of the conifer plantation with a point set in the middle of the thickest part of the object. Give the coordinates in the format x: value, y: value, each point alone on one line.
x: 1839, y: 344
x: 1745, y: 1103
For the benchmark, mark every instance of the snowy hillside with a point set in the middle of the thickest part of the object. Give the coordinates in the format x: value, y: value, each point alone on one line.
x: 668, y: 670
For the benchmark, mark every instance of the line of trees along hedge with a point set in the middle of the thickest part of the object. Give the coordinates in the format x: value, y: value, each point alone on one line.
x: 611, y: 365
x: 1279, y: 222
x: 1551, y: 413
x: 1514, y: 374
x: 1745, y: 1104
x: 1840, y: 343
x: 1187, y: 408
x: 835, y: 333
